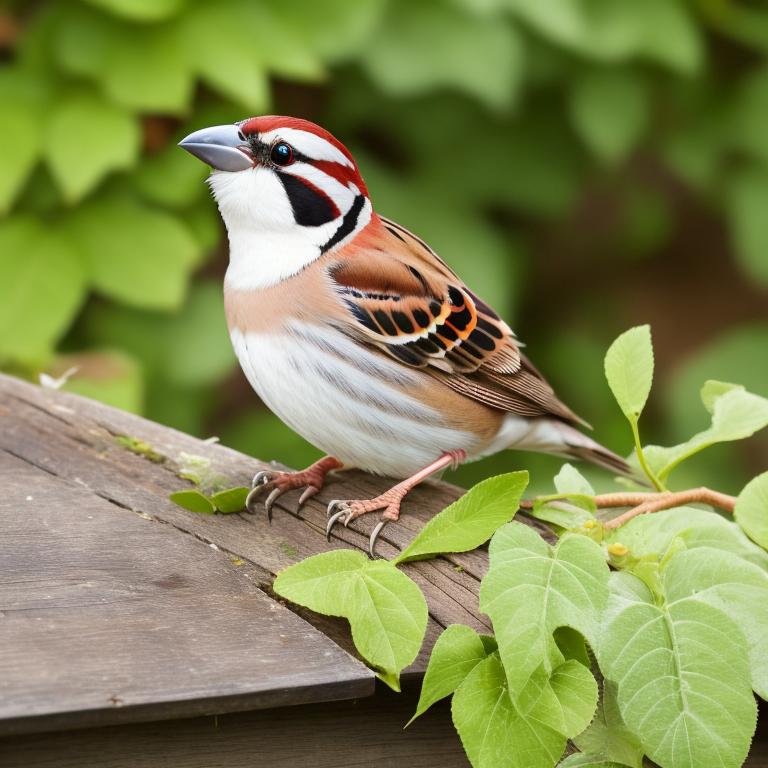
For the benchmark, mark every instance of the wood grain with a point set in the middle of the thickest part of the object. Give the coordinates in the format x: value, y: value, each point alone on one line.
x: 110, y: 591
x: 352, y: 734
x: 107, y: 617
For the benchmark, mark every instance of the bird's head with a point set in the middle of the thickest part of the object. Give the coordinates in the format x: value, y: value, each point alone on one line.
x: 283, y: 176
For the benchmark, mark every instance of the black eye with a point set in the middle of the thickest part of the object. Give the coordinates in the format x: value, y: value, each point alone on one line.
x: 281, y: 154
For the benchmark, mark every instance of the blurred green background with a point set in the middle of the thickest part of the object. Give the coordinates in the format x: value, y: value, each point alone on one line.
x: 586, y: 165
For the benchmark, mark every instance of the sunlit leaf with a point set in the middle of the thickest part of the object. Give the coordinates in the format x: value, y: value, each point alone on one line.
x: 463, y: 50
x: 230, y: 499
x: 736, y: 415
x: 609, y: 109
x: 493, y: 731
x: 607, y: 736
x: 734, y: 586
x: 21, y: 133
x: 653, y: 534
x: 386, y: 610
x: 141, y: 10
x: 532, y: 589
x: 682, y: 674
x: 43, y: 284
x: 194, y: 501
x: 135, y: 254
x: 87, y: 138
x: 455, y: 654
x: 629, y: 370
x: 751, y: 511
x: 471, y: 520
x: 747, y: 193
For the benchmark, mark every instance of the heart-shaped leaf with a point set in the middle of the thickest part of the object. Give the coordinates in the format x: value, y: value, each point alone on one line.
x: 385, y: 609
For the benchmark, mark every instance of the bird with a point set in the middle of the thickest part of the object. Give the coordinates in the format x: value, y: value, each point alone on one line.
x: 356, y: 334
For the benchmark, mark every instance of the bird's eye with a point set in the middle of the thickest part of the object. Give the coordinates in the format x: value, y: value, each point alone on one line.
x: 282, y: 154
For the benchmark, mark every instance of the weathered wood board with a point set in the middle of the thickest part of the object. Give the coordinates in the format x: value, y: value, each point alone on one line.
x: 353, y: 734
x: 116, y: 604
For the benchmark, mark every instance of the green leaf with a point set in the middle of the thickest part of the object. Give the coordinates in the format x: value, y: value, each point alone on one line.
x: 745, y: 200
x: 233, y: 65
x: 736, y: 415
x: 42, y: 287
x: 712, y: 389
x: 734, y: 586
x: 749, y: 119
x: 471, y: 520
x: 457, y: 652
x: 143, y: 67
x: 584, y: 760
x: 197, y: 349
x: 608, y: 737
x: 385, y: 609
x: 682, y: 673
x: 570, y: 481
x: 168, y: 178
x: 751, y: 511
x: 493, y: 731
x: 463, y: 49
x: 568, y: 698
x: 135, y: 254
x: 629, y: 370
x: 652, y: 535
x: 21, y: 133
x: 532, y: 589
x: 230, y: 500
x: 609, y: 109
x: 194, y: 501
x: 141, y: 10
x: 87, y: 138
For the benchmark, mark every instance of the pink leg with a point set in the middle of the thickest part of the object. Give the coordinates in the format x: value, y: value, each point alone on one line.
x: 278, y: 483
x: 389, y: 501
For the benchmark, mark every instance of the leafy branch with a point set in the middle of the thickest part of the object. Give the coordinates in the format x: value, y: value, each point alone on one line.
x: 639, y: 635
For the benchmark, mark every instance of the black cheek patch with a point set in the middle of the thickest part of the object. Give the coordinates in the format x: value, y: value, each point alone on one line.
x: 311, y: 208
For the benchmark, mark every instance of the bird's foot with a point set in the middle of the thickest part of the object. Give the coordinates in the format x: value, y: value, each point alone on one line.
x: 276, y: 483
x: 344, y: 511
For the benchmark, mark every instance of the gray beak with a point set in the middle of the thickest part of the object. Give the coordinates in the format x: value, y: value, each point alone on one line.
x: 221, y: 146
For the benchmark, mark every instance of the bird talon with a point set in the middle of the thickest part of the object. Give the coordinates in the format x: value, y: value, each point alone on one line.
x: 332, y: 521
x: 250, y: 499
x: 373, y: 540
x: 261, y: 478
x: 273, y: 496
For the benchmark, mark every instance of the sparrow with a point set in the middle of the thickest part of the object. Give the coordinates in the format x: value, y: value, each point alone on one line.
x: 356, y: 334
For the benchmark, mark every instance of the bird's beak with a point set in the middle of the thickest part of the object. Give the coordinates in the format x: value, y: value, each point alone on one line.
x: 221, y: 146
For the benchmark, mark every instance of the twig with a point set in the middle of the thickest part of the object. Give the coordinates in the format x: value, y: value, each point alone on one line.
x: 642, y: 503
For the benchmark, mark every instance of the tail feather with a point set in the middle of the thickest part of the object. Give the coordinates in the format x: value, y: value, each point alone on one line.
x: 582, y: 447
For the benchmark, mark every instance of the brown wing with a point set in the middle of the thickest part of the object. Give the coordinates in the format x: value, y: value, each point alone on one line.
x: 407, y: 302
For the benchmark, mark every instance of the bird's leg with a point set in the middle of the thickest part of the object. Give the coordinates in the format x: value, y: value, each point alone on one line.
x: 348, y: 509
x: 277, y: 483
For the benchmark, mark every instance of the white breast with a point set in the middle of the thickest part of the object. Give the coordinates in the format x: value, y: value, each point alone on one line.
x: 346, y: 400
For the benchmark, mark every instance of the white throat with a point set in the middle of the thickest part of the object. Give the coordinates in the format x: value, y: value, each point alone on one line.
x: 266, y: 245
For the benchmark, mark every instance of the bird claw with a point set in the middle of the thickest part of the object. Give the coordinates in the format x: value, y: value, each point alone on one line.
x: 372, y: 541
x: 339, y: 510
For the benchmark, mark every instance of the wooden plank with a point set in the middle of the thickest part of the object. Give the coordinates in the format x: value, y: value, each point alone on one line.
x: 108, y: 617
x: 74, y: 441
x: 352, y: 734
x: 356, y: 734
x: 72, y: 436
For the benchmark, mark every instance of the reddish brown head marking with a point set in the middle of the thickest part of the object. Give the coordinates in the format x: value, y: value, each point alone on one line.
x: 344, y: 174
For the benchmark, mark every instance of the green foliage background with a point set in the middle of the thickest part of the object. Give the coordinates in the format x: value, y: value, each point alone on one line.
x: 586, y: 165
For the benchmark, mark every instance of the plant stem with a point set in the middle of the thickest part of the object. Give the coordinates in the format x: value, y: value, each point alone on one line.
x: 642, y: 503
x: 657, y: 484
